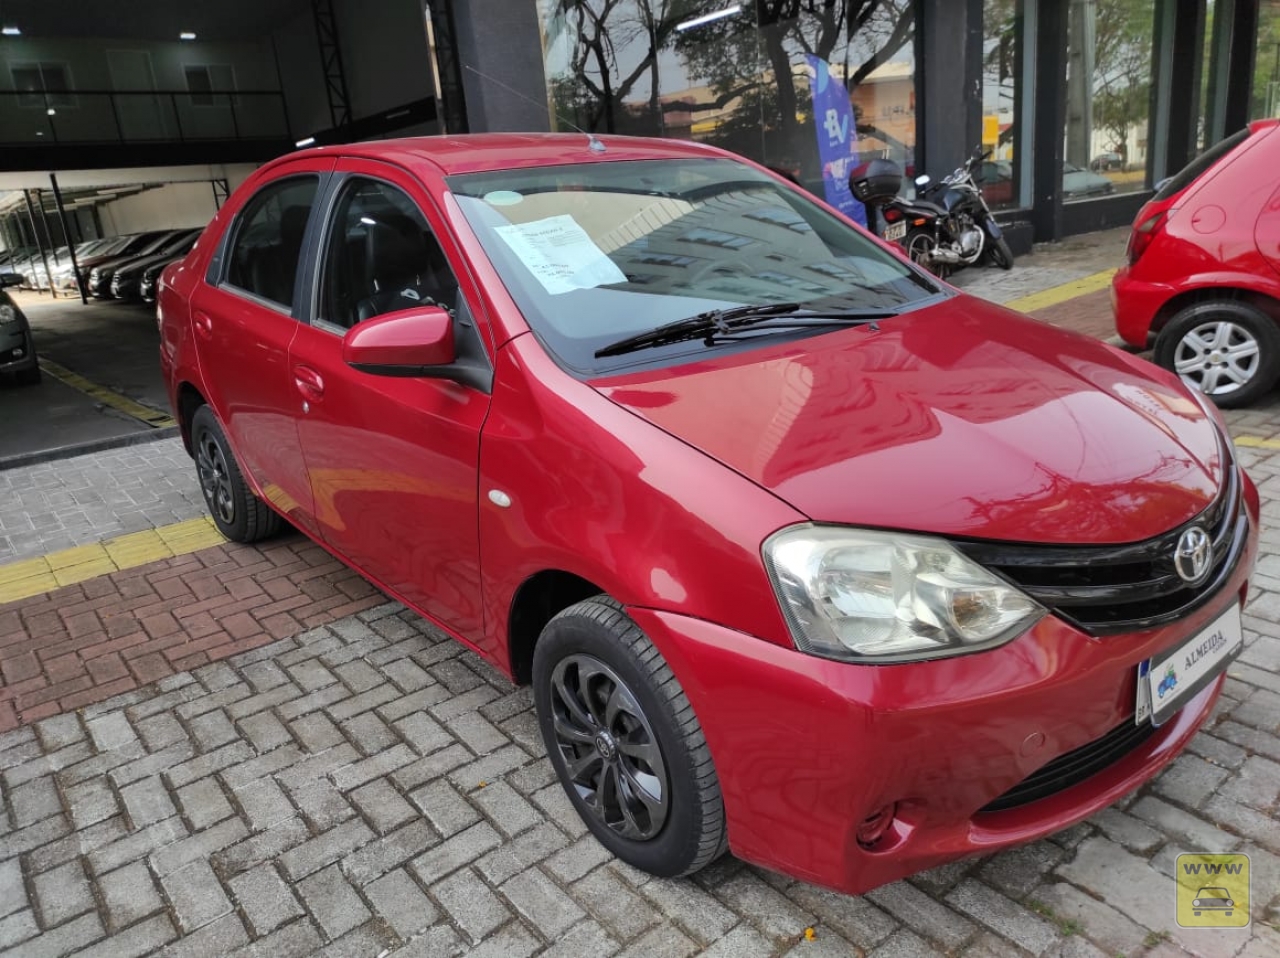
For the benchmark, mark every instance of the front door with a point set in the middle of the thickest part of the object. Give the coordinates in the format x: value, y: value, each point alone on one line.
x: 393, y: 461
x: 244, y: 323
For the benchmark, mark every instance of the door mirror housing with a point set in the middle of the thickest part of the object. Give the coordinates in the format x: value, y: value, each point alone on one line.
x: 411, y: 342
x: 10, y: 279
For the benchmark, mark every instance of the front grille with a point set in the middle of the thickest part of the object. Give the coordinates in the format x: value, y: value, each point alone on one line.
x: 1075, y: 766
x: 1103, y: 590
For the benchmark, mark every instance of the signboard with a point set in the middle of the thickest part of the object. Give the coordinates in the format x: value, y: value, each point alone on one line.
x: 837, y: 137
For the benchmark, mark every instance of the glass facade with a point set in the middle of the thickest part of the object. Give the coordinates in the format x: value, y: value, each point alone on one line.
x: 738, y: 76
x: 1127, y: 90
x: 1109, y: 51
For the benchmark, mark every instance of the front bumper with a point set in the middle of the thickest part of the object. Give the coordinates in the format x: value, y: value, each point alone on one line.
x: 17, y: 353
x: 807, y: 749
x: 1134, y: 304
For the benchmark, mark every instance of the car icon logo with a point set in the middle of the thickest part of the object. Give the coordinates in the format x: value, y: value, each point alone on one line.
x: 1168, y: 683
x: 1213, y: 899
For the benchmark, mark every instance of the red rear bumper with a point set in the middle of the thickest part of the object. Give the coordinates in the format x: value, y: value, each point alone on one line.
x: 1135, y: 303
x: 807, y: 749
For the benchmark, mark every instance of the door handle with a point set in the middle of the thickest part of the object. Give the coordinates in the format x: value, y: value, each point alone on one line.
x: 309, y: 382
x: 203, y: 323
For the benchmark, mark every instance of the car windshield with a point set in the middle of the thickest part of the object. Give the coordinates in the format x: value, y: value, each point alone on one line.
x: 598, y: 252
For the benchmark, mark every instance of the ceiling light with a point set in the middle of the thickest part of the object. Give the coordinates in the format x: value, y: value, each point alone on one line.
x: 186, y: 35
x: 11, y: 31
x: 309, y: 141
x: 51, y: 111
x: 710, y: 17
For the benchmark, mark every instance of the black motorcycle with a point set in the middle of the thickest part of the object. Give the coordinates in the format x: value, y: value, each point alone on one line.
x: 947, y: 226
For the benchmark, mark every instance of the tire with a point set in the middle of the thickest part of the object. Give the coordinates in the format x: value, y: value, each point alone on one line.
x: 28, y: 377
x: 1000, y: 253
x: 237, y: 512
x: 1227, y: 349
x: 916, y: 243
x: 594, y: 645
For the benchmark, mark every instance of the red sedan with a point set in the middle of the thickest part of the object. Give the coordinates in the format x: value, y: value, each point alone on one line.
x: 1203, y: 276
x: 805, y: 554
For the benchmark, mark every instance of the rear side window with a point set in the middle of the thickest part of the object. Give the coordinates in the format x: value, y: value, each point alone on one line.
x: 263, y: 258
x: 1200, y: 165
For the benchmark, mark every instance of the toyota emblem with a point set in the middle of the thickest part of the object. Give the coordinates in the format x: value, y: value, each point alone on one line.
x: 1193, y: 557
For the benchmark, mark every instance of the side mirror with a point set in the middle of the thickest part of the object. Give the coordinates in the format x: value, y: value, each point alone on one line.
x: 405, y: 343
x: 10, y: 279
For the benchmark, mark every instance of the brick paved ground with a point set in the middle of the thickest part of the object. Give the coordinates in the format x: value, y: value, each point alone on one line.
x: 64, y: 503
x: 1049, y: 265
x: 283, y: 777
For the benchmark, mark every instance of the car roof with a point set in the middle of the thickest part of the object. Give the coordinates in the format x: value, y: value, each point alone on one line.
x: 480, y: 152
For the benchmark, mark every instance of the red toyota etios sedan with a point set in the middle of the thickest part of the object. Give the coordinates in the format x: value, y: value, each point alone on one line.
x: 806, y: 555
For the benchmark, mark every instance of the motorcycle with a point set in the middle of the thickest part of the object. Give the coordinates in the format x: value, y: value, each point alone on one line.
x: 946, y: 226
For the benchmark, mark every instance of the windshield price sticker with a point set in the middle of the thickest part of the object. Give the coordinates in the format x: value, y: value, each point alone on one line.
x: 1168, y: 680
x: 560, y: 254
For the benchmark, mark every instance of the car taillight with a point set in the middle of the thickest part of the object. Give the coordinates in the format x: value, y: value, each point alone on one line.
x: 1144, y: 233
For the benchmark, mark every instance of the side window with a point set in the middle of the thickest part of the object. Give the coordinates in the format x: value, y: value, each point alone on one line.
x: 381, y: 257
x: 267, y: 245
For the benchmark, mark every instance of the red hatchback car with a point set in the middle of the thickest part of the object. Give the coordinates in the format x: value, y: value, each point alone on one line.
x: 805, y: 554
x: 1203, y: 273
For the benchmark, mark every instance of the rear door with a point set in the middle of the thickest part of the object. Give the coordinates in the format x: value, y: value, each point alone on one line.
x: 244, y: 316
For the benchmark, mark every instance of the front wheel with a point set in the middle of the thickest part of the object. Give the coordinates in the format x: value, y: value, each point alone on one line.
x: 999, y: 252
x: 625, y: 743
x: 1227, y: 349
x: 237, y: 512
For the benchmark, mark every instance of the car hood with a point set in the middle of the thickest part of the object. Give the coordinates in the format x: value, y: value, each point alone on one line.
x: 958, y: 419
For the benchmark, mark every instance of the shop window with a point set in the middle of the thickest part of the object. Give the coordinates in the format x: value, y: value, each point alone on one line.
x: 1000, y: 175
x: 741, y: 77
x: 1109, y: 48
x: 1266, y: 71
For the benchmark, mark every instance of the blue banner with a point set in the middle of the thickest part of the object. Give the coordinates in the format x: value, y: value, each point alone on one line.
x: 837, y: 137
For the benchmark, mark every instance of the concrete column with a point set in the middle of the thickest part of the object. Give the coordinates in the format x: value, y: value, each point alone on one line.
x: 948, y: 83
x: 501, y: 39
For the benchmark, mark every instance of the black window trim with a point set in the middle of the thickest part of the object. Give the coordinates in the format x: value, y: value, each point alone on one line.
x: 328, y: 207
x: 219, y: 264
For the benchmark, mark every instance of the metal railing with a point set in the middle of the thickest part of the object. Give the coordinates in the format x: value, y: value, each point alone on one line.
x: 109, y: 116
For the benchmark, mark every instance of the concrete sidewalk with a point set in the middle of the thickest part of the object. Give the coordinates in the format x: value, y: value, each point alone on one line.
x: 248, y: 750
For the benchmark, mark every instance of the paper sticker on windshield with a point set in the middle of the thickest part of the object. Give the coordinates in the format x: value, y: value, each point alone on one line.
x: 560, y: 254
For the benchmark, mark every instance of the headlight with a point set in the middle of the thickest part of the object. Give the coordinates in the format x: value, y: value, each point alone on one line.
x: 882, y: 597
x: 8, y: 314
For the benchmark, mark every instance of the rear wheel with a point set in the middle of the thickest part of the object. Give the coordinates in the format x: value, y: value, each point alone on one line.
x: 920, y: 245
x: 237, y: 512
x: 625, y: 743
x: 1227, y: 349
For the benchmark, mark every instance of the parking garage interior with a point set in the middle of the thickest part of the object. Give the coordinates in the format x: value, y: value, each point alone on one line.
x: 123, y: 128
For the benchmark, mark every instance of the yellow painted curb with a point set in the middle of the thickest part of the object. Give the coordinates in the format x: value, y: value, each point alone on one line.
x: 1060, y: 294
x: 21, y: 580
x: 154, y: 418
x: 1254, y: 442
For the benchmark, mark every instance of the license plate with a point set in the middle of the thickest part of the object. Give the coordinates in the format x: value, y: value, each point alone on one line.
x: 1166, y: 681
x: 895, y: 231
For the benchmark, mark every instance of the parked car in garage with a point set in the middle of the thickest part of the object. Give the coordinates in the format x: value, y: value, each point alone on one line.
x: 1203, y: 271
x: 99, y: 284
x: 17, y: 346
x: 1078, y: 184
x: 126, y: 278
x: 805, y: 554
x: 64, y: 274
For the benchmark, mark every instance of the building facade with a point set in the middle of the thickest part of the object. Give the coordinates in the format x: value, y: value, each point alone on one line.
x: 1084, y: 105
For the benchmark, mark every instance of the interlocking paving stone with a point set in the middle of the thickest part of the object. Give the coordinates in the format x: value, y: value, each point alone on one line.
x: 323, y: 794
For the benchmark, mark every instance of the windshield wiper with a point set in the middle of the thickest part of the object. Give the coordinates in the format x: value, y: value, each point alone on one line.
x: 718, y: 323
